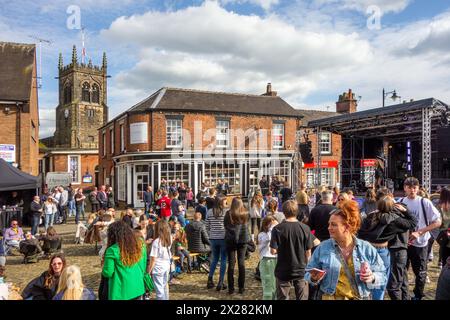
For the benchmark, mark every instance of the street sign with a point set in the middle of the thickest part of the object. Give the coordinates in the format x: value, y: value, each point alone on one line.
x: 8, y: 152
x: 54, y: 179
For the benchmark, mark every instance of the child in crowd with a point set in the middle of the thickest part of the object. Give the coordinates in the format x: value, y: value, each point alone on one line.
x: 160, y: 259
x: 268, y: 261
x: 189, y: 198
x: 180, y: 247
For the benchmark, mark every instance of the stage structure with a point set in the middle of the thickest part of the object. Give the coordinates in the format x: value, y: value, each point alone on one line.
x: 410, y: 139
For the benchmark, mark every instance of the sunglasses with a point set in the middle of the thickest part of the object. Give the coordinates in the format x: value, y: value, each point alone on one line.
x: 57, y: 264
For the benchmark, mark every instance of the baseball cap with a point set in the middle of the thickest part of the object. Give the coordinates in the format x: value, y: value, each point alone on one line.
x: 411, y: 181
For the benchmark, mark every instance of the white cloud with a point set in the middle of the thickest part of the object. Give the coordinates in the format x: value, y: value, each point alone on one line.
x: 208, y: 47
x: 386, y: 6
x: 47, y: 123
x: 265, y: 4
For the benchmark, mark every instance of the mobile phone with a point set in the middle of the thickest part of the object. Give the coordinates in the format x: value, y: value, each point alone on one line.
x: 315, y: 270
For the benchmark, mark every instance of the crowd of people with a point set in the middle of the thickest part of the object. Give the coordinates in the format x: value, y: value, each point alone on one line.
x: 322, y: 243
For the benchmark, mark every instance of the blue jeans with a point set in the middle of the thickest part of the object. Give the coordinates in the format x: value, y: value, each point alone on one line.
x: 35, y: 224
x: 378, y: 294
x: 79, y: 210
x: 71, y: 207
x: 218, y: 249
x: 48, y: 221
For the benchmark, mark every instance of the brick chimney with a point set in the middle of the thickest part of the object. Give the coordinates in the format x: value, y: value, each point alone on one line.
x: 269, y: 91
x: 346, y: 103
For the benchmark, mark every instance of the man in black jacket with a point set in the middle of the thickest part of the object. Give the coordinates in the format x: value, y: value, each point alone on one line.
x: 102, y: 198
x: 264, y: 185
x: 148, y: 199
x: 36, y: 212
x: 197, y: 236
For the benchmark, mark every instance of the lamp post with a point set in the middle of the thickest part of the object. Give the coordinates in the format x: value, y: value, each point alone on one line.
x: 393, y: 97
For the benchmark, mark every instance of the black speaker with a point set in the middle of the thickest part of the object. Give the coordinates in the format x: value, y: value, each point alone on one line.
x: 443, y: 141
x: 305, y: 151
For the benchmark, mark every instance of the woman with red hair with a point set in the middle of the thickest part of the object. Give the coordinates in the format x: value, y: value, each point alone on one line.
x: 345, y: 267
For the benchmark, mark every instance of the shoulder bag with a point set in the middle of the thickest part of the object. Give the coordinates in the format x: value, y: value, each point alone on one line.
x: 349, y: 275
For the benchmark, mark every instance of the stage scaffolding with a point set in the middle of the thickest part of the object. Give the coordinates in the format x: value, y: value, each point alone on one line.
x: 412, y: 121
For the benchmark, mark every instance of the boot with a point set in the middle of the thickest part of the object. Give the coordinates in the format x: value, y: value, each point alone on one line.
x: 210, y: 283
x: 221, y: 286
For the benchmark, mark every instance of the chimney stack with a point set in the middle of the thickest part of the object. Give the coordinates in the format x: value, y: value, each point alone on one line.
x: 346, y: 103
x: 269, y: 91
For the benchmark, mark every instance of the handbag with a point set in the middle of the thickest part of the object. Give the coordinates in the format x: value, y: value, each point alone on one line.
x: 103, y: 289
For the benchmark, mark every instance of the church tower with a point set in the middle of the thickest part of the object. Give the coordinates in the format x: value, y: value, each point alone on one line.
x: 82, y: 107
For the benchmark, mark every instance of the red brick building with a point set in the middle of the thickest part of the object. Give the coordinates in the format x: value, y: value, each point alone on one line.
x: 198, y: 136
x: 325, y: 146
x: 19, y: 120
x: 82, y: 109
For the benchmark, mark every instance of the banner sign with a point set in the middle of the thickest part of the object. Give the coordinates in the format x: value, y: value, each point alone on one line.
x: 138, y: 132
x: 324, y: 164
x: 8, y: 152
x: 368, y: 163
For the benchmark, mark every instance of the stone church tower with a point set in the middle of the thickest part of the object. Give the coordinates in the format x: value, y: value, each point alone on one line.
x: 82, y: 107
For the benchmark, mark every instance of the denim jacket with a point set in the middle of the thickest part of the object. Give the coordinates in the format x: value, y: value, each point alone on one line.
x: 326, y: 257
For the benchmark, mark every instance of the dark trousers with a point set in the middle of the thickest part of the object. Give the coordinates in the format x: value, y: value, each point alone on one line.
x: 255, y: 222
x: 190, y: 203
x: 94, y: 207
x: 397, y: 286
x: 35, y: 224
x: 79, y: 210
x: 148, y: 205
x: 418, y: 258
x: 64, y: 214
x: 239, y: 251
x: 300, y: 287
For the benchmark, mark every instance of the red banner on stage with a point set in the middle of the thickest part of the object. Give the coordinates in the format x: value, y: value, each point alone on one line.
x: 324, y: 164
x: 368, y: 163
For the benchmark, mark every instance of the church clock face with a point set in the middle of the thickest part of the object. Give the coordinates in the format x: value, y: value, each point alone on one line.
x: 66, y: 113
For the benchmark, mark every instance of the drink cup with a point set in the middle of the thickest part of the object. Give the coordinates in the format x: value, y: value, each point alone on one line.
x: 364, y: 269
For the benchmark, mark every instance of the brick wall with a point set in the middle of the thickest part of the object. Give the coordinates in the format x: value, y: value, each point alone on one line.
x: 17, y: 129
x: 88, y: 162
x: 157, y: 132
x: 336, y: 147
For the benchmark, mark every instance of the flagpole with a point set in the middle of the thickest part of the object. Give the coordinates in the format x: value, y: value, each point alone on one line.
x: 83, y: 50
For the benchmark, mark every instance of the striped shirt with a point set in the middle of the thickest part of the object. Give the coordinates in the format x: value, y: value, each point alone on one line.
x: 215, y: 226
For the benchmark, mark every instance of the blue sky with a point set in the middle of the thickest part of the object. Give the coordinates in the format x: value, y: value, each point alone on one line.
x: 310, y: 50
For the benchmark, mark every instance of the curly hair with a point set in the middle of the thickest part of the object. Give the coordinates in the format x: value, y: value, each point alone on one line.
x: 130, y: 246
x: 349, y: 212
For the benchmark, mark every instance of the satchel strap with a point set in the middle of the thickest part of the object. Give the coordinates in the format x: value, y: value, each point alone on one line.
x: 349, y: 274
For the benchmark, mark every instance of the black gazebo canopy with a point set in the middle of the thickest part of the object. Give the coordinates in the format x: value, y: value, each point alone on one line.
x: 12, y: 178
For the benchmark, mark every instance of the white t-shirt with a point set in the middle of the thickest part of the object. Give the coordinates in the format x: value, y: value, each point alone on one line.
x: 432, y: 213
x: 263, y: 244
x: 162, y: 255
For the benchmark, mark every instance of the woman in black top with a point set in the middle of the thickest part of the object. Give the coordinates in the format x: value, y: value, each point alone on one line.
x: 44, y: 287
x: 387, y: 230
x: 236, y: 238
x: 51, y: 242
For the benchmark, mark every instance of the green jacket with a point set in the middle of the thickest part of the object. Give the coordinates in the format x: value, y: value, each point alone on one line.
x: 125, y: 282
